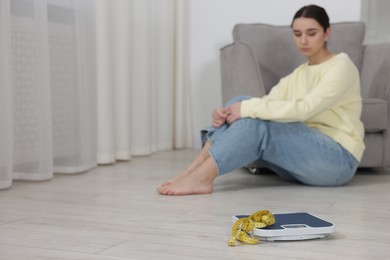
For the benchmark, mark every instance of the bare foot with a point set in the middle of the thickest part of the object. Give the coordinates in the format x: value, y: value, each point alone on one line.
x: 202, y: 156
x: 180, y: 175
x: 187, y: 185
x: 198, y: 181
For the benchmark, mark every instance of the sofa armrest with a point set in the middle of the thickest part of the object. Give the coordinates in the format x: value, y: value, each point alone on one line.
x: 375, y: 77
x: 240, y: 73
x: 375, y: 74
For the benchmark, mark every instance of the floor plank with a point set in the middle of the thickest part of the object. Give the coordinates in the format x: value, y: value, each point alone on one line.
x: 114, y: 212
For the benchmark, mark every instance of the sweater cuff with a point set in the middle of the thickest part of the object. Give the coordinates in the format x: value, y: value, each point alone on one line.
x: 246, y: 108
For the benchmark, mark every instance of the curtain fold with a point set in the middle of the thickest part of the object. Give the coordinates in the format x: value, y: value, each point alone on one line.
x: 121, y: 14
x: 376, y: 17
x: 105, y: 95
x: 88, y: 82
x: 47, y: 94
x: 142, y: 100
x: 72, y: 82
x: 6, y: 134
x: 182, y: 126
x: 32, y: 139
x: 143, y: 92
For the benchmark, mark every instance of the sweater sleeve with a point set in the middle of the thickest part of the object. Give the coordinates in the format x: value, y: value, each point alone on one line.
x: 335, y: 82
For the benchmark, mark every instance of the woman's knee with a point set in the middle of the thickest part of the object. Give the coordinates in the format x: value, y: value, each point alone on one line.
x: 236, y: 99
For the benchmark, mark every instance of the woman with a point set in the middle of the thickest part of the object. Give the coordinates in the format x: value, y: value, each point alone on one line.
x: 307, y: 129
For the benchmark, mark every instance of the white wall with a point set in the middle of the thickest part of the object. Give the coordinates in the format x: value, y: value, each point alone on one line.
x: 211, y: 23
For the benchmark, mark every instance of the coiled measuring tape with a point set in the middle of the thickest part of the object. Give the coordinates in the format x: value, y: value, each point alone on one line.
x: 243, y: 228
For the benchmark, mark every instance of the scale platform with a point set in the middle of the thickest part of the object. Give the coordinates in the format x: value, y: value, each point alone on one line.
x: 293, y: 226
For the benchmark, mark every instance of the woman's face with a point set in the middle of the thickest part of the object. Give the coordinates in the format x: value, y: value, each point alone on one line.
x: 309, y: 36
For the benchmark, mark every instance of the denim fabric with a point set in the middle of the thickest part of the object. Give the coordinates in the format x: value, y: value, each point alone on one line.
x: 294, y: 151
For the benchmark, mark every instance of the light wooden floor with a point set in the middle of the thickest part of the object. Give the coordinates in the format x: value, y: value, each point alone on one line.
x: 114, y: 212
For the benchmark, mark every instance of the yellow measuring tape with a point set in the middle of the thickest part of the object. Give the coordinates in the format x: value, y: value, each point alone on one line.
x: 242, y: 228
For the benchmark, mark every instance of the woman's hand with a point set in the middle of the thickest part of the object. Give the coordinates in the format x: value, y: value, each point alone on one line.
x: 233, y: 112
x: 219, y: 117
x: 226, y: 115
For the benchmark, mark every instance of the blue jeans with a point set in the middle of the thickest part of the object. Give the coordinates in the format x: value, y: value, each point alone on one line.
x: 294, y: 151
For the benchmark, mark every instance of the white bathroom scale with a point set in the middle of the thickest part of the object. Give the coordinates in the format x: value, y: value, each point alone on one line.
x: 293, y: 226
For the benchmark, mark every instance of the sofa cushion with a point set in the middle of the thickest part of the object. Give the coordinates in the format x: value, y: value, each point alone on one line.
x: 274, y: 49
x: 348, y: 37
x: 374, y: 115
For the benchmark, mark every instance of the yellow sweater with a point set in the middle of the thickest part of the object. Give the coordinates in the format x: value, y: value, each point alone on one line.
x: 325, y: 97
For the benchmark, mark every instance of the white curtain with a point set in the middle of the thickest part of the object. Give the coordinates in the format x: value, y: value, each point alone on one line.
x: 375, y: 13
x: 142, y: 107
x: 87, y: 82
x: 5, y: 99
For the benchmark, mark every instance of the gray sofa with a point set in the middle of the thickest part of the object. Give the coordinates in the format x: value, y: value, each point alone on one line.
x: 261, y: 54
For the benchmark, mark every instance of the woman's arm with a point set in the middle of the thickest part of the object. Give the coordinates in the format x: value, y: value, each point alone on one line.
x: 278, y: 92
x: 335, y: 83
